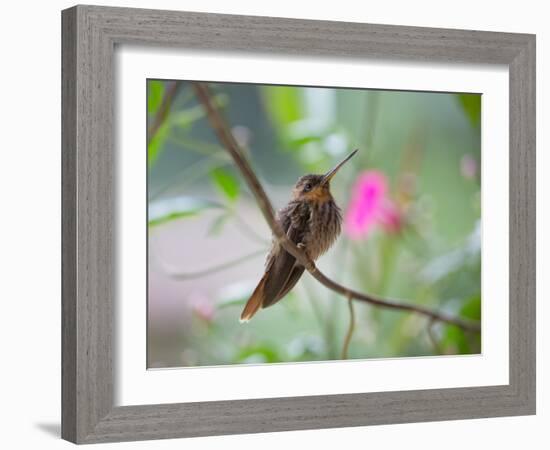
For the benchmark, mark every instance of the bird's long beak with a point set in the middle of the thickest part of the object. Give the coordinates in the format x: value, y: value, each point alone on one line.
x: 327, y: 177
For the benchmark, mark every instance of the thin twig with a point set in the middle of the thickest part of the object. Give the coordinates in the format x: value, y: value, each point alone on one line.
x: 351, y: 327
x: 164, y: 109
x: 433, y: 339
x: 228, y: 141
x: 191, y: 173
x: 247, y: 230
x: 211, y: 270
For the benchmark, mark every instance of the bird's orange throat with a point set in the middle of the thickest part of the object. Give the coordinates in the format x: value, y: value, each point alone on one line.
x: 319, y: 195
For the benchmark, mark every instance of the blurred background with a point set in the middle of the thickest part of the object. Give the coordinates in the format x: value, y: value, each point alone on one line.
x: 410, y: 200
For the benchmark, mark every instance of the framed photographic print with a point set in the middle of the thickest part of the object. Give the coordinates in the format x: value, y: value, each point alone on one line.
x: 276, y: 224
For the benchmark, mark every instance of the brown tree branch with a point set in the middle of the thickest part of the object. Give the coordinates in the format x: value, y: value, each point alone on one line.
x: 228, y: 141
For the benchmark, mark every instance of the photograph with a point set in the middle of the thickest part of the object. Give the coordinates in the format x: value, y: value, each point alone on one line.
x: 379, y: 191
x: 288, y: 222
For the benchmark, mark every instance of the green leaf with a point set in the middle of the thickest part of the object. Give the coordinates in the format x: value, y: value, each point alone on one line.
x: 283, y: 104
x: 472, y: 308
x: 300, y: 141
x: 155, y: 92
x: 186, y: 117
x: 471, y: 104
x: 167, y: 210
x: 226, y: 183
x: 455, y: 338
x: 156, y: 145
x: 258, y: 354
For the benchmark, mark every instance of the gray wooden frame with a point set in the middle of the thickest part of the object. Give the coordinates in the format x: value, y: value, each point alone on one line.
x: 90, y: 34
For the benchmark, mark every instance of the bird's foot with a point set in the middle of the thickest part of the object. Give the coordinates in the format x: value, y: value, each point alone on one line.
x: 302, y: 247
x: 310, y: 264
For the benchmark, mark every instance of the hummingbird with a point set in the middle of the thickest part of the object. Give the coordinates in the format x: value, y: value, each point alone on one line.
x: 313, y: 221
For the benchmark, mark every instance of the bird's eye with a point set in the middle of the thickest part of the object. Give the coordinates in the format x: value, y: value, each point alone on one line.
x: 307, y: 187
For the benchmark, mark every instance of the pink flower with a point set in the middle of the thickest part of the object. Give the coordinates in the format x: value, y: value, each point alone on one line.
x: 468, y: 166
x: 370, y: 206
x: 202, y: 306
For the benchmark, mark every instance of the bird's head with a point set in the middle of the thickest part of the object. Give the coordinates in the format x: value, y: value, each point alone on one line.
x: 317, y: 187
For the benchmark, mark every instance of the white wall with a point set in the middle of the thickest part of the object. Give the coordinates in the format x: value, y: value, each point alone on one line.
x: 30, y: 222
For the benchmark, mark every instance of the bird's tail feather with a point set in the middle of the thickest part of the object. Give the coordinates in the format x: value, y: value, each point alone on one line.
x: 255, y: 301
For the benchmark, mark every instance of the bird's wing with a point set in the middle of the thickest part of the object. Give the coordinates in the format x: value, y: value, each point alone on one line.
x: 280, y: 268
x: 280, y: 272
x: 295, y: 275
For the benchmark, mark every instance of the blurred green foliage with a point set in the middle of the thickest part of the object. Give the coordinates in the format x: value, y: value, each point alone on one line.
x: 155, y: 93
x: 427, y: 146
x: 180, y: 119
x: 226, y: 182
x: 472, y: 107
x: 177, y: 208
